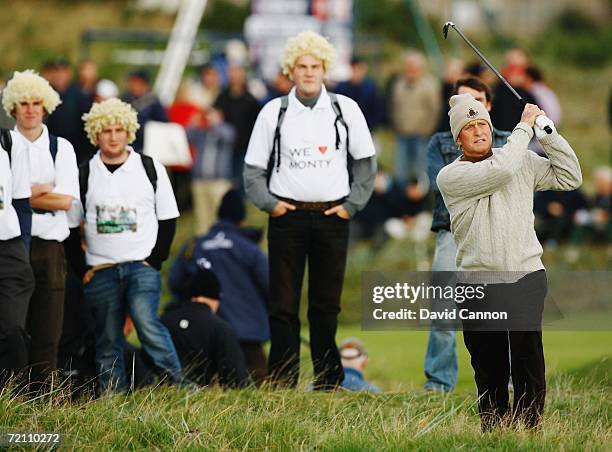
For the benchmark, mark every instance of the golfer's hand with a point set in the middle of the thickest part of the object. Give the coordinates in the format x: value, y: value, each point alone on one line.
x: 541, y: 122
x: 281, y: 209
x: 529, y: 114
x: 340, y: 211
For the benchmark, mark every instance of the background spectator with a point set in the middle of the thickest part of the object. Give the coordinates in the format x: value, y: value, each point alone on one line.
x: 414, y: 108
x: 65, y: 121
x: 507, y: 109
x: 242, y: 269
x: 362, y: 89
x: 354, y: 361
x: 240, y: 109
x: 206, y: 344
x: 145, y: 102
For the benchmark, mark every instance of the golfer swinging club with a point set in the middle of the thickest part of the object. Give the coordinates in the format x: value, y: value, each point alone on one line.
x: 489, y: 195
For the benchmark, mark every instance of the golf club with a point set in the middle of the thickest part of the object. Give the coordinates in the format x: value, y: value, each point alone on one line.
x: 547, y: 129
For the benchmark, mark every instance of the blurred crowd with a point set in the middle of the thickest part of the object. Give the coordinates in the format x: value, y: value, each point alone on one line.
x: 218, y: 108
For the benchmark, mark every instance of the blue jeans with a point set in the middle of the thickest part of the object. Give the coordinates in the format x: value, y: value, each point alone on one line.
x: 441, y: 355
x: 411, y: 159
x: 134, y: 288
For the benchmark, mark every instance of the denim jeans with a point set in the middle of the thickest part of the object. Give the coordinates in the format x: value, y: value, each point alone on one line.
x: 134, y: 288
x: 441, y: 355
x: 411, y: 159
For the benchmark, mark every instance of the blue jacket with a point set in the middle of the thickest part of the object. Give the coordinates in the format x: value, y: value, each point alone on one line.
x: 242, y: 269
x: 354, y: 381
x: 441, y: 151
x: 366, y: 96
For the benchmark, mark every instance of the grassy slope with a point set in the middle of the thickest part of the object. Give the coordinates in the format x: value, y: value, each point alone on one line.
x: 577, y: 418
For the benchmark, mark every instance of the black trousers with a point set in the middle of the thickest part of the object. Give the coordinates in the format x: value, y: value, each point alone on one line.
x: 46, y: 310
x: 489, y: 354
x: 294, y: 239
x: 16, y: 287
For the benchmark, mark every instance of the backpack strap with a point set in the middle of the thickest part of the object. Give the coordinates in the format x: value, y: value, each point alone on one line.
x: 53, y: 147
x: 149, y: 167
x: 340, y: 119
x: 275, y: 155
x: 84, y: 183
x: 6, y: 141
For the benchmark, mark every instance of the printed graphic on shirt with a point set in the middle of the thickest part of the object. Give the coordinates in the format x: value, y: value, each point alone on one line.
x: 1, y: 197
x: 305, y: 158
x: 115, y: 219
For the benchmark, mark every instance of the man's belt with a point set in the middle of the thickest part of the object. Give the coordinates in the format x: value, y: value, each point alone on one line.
x: 313, y: 206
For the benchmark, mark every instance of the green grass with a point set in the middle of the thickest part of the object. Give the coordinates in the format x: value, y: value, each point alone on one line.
x: 578, y: 409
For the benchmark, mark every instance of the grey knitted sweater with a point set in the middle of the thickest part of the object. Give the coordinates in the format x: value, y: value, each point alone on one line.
x: 491, y: 203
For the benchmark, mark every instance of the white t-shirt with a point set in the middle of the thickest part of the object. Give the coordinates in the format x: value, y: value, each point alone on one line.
x: 312, y: 169
x: 64, y: 175
x: 14, y: 184
x: 123, y: 210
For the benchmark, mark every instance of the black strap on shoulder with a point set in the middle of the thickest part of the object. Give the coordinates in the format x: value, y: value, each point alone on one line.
x: 149, y: 167
x: 275, y: 155
x: 53, y: 147
x: 84, y: 182
x: 340, y: 119
x: 6, y: 141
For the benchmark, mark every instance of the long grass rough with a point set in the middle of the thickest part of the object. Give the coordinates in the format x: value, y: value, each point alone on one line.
x: 578, y: 417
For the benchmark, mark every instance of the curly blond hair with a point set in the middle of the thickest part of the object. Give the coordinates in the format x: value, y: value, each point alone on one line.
x: 109, y: 112
x: 308, y: 43
x: 28, y: 86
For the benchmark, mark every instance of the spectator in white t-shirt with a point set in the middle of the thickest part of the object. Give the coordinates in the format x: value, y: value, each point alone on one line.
x: 311, y: 173
x: 54, y: 184
x: 129, y: 214
x: 16, y: 279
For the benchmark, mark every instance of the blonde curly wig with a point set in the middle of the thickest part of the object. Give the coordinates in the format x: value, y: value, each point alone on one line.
x: 109, y: 112
x: 308, y: 43
x: 27, y: 86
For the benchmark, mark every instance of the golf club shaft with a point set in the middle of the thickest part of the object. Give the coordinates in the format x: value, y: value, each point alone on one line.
x: 489, y: 65
x: 547, y: 129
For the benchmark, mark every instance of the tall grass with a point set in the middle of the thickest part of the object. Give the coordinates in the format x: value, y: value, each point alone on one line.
x: 578, y: 417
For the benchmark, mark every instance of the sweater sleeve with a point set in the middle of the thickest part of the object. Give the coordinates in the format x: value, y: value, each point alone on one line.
x: 464, y: 181
x: 362, y: 185
x: 74, y: 252
x: 24, y: 216
x: 256, y: 187
x: 561, y: 170
x: 161, y: 250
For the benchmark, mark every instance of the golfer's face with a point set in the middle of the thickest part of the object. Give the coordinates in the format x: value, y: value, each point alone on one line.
x: 307, y: 74
x: 475, y: 138
x: 29, y: 114
x: 113, y: 140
